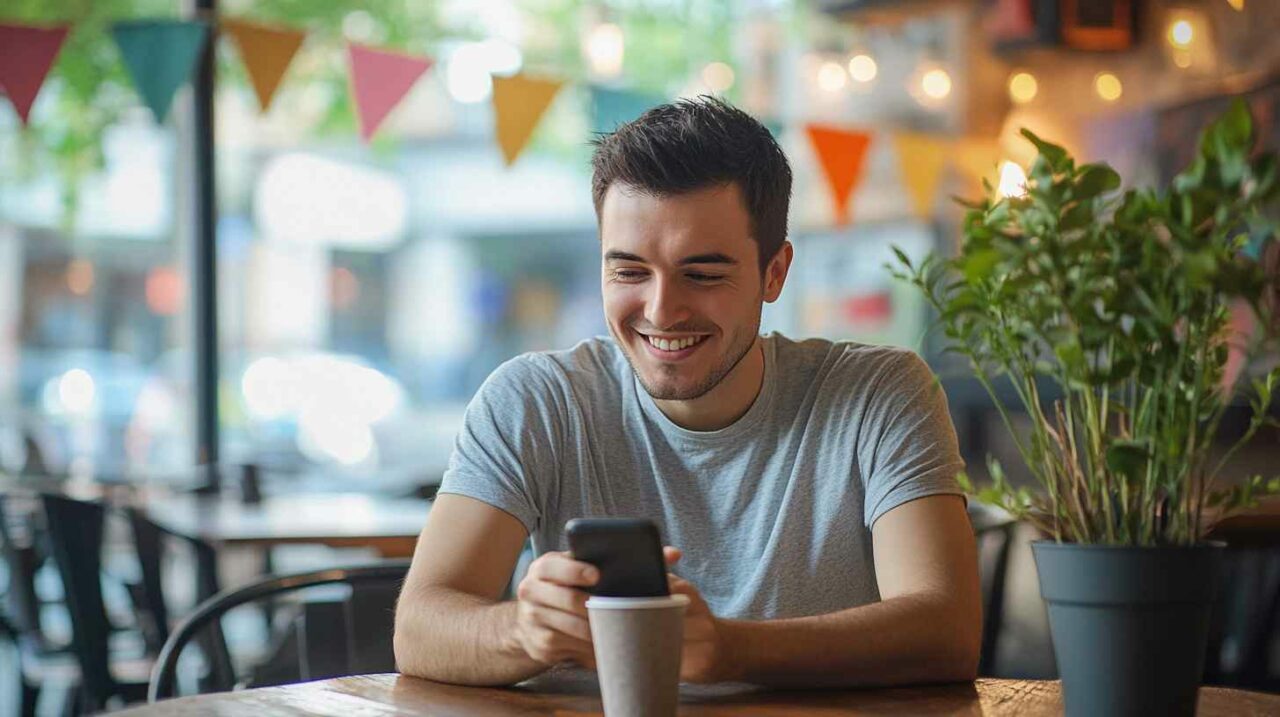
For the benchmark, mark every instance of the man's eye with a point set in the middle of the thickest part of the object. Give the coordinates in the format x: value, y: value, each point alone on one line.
x: 628, y: 274
x: 703, y: 277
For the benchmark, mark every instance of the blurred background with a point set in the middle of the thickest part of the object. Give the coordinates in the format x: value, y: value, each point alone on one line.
x: 364, y: 289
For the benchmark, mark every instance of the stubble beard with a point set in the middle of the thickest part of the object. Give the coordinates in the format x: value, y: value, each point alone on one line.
x: 742, y: 343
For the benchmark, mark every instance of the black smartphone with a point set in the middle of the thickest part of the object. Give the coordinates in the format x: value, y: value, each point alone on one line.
x: 627, y: 551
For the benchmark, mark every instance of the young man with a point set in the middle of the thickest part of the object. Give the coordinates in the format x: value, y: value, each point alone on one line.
x: 808, y: 488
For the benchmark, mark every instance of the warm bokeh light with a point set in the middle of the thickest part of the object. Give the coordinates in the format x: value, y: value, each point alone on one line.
x: 605, y: 50
x: 1108, y: 86
x: 862, y: 68
x: 831, y: 77
x: 718, y: 77
x: 1182, y: 59
x: 1237, y: 4
x: 80, y: 277
x: 936, y: 83
x: 1023, y: 87
x: 1013, y: 181
x: 164, y: 291
x: 1180, y: 34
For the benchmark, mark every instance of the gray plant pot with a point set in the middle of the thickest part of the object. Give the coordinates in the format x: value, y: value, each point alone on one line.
x: 1129, y: 625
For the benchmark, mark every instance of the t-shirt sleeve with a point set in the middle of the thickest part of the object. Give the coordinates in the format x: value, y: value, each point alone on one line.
x: 907, y: 444
x: 505, y: 453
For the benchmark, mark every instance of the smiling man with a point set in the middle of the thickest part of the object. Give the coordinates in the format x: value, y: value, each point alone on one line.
x: 807, y: 487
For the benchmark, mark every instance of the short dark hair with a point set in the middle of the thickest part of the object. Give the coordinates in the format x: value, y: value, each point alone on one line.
x: 696, y: 143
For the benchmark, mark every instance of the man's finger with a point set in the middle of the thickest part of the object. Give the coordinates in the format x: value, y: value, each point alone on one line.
x: 569, y: 627
x: 671, y: 555
x: 554, y: 596
x: 560, y: 569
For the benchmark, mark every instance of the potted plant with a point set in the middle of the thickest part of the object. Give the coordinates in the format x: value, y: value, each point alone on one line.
x: 1110, y: 314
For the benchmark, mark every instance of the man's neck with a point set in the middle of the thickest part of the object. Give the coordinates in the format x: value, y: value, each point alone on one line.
x: 727, y: 402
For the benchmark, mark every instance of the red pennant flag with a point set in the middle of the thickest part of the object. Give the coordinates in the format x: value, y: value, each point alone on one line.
x: 26, y: 54
x: 379, y: 80
x: 840, y: 152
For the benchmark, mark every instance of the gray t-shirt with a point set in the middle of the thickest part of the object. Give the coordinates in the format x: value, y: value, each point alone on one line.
x: 773, y: 512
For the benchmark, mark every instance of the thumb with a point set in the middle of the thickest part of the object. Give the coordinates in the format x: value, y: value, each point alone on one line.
x: 671, y: 555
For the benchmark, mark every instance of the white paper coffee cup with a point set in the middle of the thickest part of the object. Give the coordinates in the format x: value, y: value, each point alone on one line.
x: 637, y: 644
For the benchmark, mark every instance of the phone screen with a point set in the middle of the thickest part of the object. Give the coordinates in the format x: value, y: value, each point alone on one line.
x: 628, y: 552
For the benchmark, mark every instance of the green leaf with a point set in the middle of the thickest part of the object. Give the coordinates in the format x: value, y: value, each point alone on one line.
x: 1055, y: 156
x: 1127, y: 458
x: 977, y: 265
x: 902, y: 257
x: 1096, y: 179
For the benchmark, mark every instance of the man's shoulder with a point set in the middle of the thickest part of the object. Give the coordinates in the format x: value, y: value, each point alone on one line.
x: 844, y: 362
x: 589, y: 363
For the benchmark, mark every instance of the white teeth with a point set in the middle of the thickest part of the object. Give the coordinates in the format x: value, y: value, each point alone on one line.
x: 673, y: 344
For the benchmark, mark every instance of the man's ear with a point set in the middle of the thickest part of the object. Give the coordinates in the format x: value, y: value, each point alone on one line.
x: 775, y: 273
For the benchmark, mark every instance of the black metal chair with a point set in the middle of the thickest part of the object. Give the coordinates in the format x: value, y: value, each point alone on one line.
x: 76, y: 536
x: 75, y: 531
x: 332, y: 639
x: 995, y: 534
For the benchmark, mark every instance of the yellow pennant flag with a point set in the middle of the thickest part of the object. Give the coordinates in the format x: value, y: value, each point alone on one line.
x: 978, y: 159
x: 921, y: 159
x: 519, y: 102
x: 266, y: 51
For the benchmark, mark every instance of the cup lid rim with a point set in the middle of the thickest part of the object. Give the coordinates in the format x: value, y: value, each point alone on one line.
x: 633, y: 603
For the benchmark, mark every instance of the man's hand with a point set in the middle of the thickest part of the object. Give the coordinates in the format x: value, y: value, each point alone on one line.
x: 551, y: 620
x: 703, y: 657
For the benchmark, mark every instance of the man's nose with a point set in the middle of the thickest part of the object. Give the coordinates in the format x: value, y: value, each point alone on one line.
x: 666, y: 306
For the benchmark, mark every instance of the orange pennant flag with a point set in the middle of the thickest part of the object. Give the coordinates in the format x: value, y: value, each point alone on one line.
x: 840, y: 152
x: 266, y: 51
x: 518, y: 104
x: 921, y: 159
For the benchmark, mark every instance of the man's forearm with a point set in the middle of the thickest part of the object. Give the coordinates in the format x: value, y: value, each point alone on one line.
x: 456, y: 637
x: 901, y: 640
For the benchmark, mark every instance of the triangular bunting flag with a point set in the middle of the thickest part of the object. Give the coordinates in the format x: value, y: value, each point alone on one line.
x: 26, y: 54
x: 840, y: 152
x: 977, y: 159
x: 159, y: 55
x: 921, y: 159
x: 379, y: 80
x: 267, y: 52
x: 610, y: 108
x: 518, y: 104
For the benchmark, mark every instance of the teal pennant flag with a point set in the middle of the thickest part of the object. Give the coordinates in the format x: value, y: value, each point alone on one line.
x: 159, y: 55
x: 610, y: 107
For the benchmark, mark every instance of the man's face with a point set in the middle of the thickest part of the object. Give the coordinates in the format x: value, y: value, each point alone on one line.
x: 682, y: 285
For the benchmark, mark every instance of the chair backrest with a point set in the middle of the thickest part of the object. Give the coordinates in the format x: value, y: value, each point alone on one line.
x: 995, y: 535
x: 22, y: 561
x: 364, y: 645
x: 75, y: 536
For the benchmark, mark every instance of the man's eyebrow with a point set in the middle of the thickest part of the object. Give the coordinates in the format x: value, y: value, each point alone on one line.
x: 615, y: 255
x: 715, y: 258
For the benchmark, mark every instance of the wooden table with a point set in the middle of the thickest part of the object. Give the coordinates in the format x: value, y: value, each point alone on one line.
x: 576, y: 693
x: 340, y: 520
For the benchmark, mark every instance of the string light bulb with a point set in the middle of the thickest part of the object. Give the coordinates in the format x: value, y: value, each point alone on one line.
x: 1013, y: 181
x: 1023, y: 87
x: 1181, y: 34
x: 831, y: 77
x: 936, y: 83
x: 1108, y: 86
x: 863, y: 68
